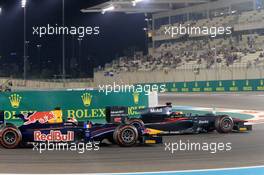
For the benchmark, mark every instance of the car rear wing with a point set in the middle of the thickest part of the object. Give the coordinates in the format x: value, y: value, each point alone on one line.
x: 2, y: 117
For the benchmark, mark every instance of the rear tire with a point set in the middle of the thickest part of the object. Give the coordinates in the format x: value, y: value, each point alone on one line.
x: 11, y: 137
x: 126, y: 135
x: 224, y: 124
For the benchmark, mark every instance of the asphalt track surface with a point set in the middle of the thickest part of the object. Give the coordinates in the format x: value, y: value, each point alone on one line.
x: 252, y: 101
x: 247, y: 148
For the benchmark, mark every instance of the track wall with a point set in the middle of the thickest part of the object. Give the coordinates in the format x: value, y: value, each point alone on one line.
x: 82, y: 105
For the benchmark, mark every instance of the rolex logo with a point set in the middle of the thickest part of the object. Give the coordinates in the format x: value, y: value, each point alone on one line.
x: 233, y: 83
x: 247, y: 83
x: 15, y: 100
x: 136, y: 97
x: 87, y: 99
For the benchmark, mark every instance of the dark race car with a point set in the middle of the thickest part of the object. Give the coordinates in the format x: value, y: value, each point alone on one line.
x: 165, y: 121
x: 49, y: 127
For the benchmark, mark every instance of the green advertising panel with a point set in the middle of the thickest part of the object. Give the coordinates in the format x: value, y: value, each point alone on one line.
x: 214, y: 86
x: 83, y: 105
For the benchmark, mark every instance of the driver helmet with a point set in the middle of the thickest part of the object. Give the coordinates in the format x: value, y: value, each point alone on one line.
x: 72, y: 119
x: 177, y: 114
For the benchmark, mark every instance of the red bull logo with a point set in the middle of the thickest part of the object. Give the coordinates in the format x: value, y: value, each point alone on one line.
x: 54, y: 136
x: 41, y: 117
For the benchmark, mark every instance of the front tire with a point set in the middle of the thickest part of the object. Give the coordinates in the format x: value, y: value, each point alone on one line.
x: 126, y: 135
x: 224, y: 124
x: 11, y: 137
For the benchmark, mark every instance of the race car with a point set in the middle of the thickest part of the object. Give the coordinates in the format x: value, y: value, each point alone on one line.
x: 167, y: 122
x: 49, y: 127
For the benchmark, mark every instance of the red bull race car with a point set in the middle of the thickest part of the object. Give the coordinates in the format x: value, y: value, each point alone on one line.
x: 49, y: 127
x: 166, y: 121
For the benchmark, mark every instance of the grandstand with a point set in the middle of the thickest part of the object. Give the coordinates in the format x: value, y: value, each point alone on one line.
x: 10, y: 84
x: 181, y: 58
x: 197, y: 57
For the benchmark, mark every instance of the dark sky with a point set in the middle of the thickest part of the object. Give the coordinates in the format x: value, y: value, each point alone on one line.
x: 118, y: 32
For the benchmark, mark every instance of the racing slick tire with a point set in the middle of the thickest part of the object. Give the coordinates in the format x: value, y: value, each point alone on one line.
x: 224, y: 124
x: 114, y: 138
x: 139, y: 124
x: 126, y: 135
x: 11, y: 137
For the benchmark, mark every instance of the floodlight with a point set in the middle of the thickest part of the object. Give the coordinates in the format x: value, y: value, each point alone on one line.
x: 134, y: 3
x: 23, y: 3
